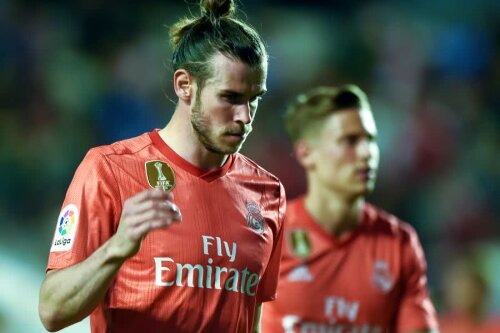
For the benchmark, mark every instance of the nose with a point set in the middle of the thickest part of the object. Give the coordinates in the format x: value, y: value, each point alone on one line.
x: 366, y: 148
x: 243, y: 113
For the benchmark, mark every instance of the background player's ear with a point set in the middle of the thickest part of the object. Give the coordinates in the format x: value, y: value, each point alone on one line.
x: 303, y: 153
x: 183, y: 84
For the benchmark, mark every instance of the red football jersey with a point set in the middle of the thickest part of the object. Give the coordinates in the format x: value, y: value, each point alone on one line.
x: 205, y: 274
x: 372, y: 281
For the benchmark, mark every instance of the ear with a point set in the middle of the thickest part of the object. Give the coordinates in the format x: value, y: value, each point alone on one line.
x: 183, y: 85
x: 304, y: 153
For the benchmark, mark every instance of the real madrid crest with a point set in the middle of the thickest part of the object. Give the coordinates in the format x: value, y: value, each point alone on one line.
x: 382, y: 276
x: 160, y: 174
x: 255, y: 220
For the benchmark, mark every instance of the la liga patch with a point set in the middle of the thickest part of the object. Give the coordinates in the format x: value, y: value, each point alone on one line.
x: 65, y: 229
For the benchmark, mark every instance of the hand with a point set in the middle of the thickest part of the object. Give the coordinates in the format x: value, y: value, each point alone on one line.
x: 146, y: 211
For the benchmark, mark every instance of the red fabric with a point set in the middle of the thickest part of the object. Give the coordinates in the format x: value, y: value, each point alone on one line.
x: 152, y: 291
x: 370, y: 281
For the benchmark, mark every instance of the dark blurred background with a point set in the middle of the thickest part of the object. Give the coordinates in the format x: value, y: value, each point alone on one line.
x: 76, y: 74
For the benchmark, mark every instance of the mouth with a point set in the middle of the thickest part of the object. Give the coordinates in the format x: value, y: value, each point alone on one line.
x: 366, y: 173
x: 235, y: 136
x: 237, y: 132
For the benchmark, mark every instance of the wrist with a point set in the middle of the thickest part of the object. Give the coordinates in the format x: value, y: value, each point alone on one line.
x: 119, y: 249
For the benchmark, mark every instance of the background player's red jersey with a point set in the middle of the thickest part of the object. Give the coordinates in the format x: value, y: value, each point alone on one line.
x: 371, y: 281
x: 205, y: 274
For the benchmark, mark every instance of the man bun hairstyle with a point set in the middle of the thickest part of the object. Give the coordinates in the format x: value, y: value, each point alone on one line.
x: 215, y: 9
x: 308, y: 111
x: 196, y: 40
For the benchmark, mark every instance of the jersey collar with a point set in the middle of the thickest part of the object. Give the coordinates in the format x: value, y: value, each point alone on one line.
x: 175, y: 158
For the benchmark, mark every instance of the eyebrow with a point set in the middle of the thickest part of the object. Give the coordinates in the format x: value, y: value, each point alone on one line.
x: 369, y: 134
x: 232, y: 92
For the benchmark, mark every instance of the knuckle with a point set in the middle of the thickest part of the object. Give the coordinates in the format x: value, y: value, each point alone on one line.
x: 152, y: 205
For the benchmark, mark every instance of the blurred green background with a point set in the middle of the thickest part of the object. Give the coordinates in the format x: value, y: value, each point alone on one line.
x: 76, y: 74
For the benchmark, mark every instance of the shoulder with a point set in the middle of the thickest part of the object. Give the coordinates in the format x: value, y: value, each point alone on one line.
x: 388, y: 223
x: 295, y: 208
x: 125, y: 147
x: 245, y: 166
x: 100, y: 160
x: 296, y: 215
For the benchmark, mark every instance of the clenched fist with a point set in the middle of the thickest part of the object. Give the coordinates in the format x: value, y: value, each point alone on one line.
x: 146, y: 211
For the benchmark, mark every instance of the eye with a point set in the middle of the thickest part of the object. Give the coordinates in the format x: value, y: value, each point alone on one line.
x: 351, y: 140
x: 232, y: 98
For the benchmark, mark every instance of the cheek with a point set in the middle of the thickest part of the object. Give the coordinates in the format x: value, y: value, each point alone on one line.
x: 220, y: 112
x: 340, y: 155
x: 375, y: 153
x: 332, y: 159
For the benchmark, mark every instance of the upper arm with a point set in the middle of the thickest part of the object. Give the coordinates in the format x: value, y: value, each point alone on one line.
x: 269, y: 282
x: 416, y: 312
x: 88, y: 215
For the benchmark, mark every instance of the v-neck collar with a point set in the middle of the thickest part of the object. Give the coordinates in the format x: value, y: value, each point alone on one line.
x: 185, y: 165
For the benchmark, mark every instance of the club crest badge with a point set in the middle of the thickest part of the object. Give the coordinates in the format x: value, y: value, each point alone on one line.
x: 299, y: 242
x: 255, y: 220
x: 160, y: 174
x: 381, y: 276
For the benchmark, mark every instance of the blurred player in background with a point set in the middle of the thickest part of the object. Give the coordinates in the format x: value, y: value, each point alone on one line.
x: 466, y: 296
x: 347, y: 266
x: 174, y: 230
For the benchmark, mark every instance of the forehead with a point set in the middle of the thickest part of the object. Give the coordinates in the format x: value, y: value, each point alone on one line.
x: 350, y: 121
x: 231, y: 74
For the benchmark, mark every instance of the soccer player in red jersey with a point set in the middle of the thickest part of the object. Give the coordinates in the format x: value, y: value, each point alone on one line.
x: 347, y: 266
x: 174, y: 230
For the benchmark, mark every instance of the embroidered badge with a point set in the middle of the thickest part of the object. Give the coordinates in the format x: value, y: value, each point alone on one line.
x: 255, y: 220
x: 65, y: 229
x: 299, y: 242
x: 160, y: 174
x: 381, y: 276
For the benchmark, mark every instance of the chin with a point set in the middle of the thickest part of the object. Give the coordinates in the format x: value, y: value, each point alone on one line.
x: 362, y: 190
x: 228, y: 148
x: 224, y: 149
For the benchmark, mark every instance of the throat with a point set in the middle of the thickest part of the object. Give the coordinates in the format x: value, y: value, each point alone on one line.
x: 338, y: 217
x: 191, y: 150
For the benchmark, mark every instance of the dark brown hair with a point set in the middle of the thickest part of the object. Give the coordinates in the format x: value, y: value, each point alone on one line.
x: 196, y: 40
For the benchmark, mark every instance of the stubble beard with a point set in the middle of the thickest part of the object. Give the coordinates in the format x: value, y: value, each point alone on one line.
x: 206, y: 135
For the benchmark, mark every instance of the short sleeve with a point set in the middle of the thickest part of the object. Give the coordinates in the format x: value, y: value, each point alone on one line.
x: 269, y: 281
x: 89, y: 214
x: 416, y: 309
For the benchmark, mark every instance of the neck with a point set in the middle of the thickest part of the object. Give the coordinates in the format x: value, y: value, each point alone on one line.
x: 336, y: 213
x: 181, y: 138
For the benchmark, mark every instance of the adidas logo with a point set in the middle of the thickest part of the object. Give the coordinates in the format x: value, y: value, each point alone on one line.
x: 300, y: 273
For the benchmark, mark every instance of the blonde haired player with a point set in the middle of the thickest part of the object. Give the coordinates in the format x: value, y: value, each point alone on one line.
x: 347, y: 266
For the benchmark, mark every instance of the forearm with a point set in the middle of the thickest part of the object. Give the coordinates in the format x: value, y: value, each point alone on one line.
x: 256, y: 322
x: 70, y: 294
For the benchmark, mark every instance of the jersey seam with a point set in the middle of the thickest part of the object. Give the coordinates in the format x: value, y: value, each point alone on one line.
x: 260, y: 170
x: 116, y: 182
x: 128, y: 153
